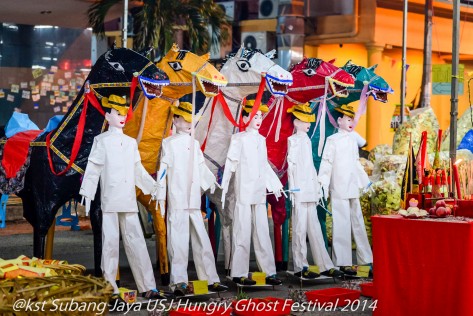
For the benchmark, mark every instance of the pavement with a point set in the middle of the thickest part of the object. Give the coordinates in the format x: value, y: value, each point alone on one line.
x: 77, y: 247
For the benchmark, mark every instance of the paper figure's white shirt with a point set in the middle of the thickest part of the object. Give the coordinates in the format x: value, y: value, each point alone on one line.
x: 176, y: 155
x: 248, y: 158
x: 115, y: 160
x: 301, y: 171
x: 341, y: 173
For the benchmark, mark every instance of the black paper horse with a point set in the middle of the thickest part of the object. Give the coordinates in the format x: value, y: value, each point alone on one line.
x: 54, y: 174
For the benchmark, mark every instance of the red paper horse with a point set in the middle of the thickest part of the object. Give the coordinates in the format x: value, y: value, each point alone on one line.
x: 312, y: 78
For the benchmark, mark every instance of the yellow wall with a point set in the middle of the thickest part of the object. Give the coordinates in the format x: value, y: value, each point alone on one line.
x: 388, y: 30
x: 390, y: 70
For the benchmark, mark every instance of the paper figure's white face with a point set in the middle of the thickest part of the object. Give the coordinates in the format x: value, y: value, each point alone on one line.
x: 256, y: 121
x: 182, y: 125
x: 301, y: 127
x: 115, y: 119
x: 345, y: 123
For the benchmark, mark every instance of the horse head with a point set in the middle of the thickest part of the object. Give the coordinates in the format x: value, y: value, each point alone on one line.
x: 120, y: 65
x: 311, y: 76
x: 180, y: 65
x: 245, y: 68
x: 378, y: 88
x: 113, y: 73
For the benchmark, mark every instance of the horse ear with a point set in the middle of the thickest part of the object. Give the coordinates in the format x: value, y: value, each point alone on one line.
x: 145, y: 52
x: 158, y: 55
x: 271, y: 54
x: 372, y: 68
x: 348, y: 63
x: 172, y: 53
x: 331, y: 61
x: 206, y: 56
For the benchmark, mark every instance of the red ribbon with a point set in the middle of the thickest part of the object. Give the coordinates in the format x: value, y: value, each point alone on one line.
x: 423, y: 149
x: 89, y: 97
x: 228, y: 114
x: 214, y: 102
x: 79, y: 133
x: 134, y: 83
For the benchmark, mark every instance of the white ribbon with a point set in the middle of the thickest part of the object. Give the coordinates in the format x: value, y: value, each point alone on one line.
x: 190, y: 174
x: 278, y: 111
x: 142, y: 122
x: 362, y: 107
x: 322, y: 119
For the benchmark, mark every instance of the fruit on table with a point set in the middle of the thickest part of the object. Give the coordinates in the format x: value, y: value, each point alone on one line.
x: 440, y: 203
x: 441, y: 211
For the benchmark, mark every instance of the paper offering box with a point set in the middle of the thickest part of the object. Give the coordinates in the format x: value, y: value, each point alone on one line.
x: 199, y: 287
x: 259, y: 277
x: 314, y: 269
x: 129, y: 296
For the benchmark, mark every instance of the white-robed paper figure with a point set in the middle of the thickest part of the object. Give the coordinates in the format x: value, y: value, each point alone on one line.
x: 183, y: 168
x: 305, y: 194
x: 115, y: 161
x: 342, y: 177
x: 248, y: 158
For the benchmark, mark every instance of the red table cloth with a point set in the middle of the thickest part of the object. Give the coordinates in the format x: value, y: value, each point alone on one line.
x: 422, y: 267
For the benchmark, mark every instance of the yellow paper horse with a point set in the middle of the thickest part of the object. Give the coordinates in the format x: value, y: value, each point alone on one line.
x: 152, y: 127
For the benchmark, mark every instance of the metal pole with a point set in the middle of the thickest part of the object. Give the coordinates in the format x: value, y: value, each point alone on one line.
x: 454, y: 97
x: 426, y: 87
x: 125, y: 23
x: 403, y: 74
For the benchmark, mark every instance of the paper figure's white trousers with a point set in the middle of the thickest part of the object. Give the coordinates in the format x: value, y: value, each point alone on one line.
x: 181, y: 224
x: 226, y: 219
x: 135, y: 248
x: 347, y: 220
x: 251, y: 221
x: 306, y: 223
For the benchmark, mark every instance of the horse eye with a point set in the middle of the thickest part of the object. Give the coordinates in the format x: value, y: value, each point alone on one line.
x: 117, y: 66
x: 309, y: 72
x: 243, y: 65
x: 175, y: 65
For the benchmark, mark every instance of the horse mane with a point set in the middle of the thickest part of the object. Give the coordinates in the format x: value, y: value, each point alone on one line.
x: 247, y: 54
x: 353, y: 69
x: 313, y: 63
x: 182, y: 54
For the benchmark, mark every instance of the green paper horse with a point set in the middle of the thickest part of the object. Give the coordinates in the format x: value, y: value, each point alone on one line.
x: 365, y: 79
